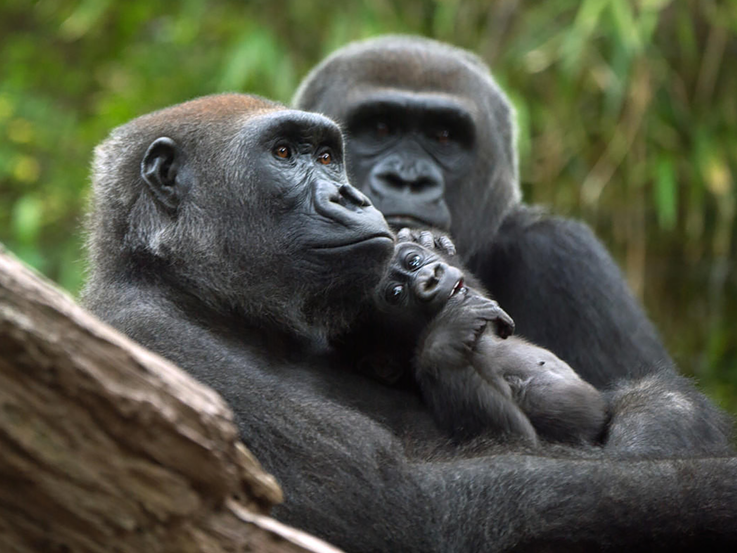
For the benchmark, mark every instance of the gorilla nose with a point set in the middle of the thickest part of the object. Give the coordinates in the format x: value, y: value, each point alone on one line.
x: 330, y: 196
x: 418, y: 179
x: 435, y: 281
x: 342, y: 203
x: 392, y: 183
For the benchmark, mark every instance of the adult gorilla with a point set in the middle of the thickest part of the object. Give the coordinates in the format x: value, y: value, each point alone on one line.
x: 225, y: 237
x: 430, y: 140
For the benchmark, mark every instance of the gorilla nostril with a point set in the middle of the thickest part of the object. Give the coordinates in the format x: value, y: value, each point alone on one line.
x: 349, y: 197
x: 421, y: 183
x: 392, y: 180
x: 431, y: 283
x: 348, y: 193
x: 337, y: 198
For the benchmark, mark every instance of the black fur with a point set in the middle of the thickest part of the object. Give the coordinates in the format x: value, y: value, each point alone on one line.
x: 224, y: 280
x: 475, y: 378
x: 430, y: 139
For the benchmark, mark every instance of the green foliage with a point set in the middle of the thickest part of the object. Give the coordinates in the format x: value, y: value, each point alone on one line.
x: 627, y: 115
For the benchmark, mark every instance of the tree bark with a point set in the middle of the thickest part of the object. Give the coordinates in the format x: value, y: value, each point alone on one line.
x: 105, y: 446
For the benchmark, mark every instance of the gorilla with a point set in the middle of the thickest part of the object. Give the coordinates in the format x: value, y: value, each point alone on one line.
x: 431, y: 141
x: 171, y: 198
x: 224, y: 235
x: 432, y: 316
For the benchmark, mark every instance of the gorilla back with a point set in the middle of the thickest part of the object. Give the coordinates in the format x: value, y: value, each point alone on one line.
x: 225, y: 237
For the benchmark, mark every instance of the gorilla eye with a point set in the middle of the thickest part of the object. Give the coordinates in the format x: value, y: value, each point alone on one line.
x: 395, y: 293
x: 442, y: 136
x: 381, y: 129
x: 414, y: 261
x: 283, y: 151
x: 325, y: 158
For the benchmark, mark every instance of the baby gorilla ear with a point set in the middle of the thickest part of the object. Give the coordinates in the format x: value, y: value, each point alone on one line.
x: 161, y: 169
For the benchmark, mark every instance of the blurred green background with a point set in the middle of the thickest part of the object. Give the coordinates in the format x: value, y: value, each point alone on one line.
x: 627, y: 112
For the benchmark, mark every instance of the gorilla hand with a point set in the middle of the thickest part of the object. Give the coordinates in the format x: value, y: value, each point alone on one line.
x: 470, y: 316
x: 432, y: 240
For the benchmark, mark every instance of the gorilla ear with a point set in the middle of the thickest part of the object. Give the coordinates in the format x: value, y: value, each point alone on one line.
x: 160, y: 169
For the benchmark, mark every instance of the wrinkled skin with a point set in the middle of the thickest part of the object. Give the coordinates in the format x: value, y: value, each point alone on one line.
x: 212, y: 250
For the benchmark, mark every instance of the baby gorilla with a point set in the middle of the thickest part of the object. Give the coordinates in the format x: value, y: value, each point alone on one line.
x: 431, y: 316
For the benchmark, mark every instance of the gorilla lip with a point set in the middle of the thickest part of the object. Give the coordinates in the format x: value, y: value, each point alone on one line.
x: 459, y: 287
x: 377, y: 236
x: 409, y: 221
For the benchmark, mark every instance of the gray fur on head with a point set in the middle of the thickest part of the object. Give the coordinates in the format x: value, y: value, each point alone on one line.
x: 213, y: 247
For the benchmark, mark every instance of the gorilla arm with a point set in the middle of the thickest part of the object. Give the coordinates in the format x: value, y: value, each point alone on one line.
x: 348, y: 478
x: 566, y: 294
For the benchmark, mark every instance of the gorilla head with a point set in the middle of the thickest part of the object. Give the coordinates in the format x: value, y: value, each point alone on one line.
x: 239, y: 203
x: 430, y: 136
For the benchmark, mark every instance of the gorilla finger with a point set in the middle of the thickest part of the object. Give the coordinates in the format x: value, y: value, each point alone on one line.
x: 446, y: 245
x: 405, y: 235
x: 427, y: 240
x: 504, y: 326
x: 491, y: 311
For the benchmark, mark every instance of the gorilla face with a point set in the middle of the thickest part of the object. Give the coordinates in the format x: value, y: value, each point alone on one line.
x: 243, y: 203
x: 430, y: 136
x: 418, y: 285
x: 406, y: 150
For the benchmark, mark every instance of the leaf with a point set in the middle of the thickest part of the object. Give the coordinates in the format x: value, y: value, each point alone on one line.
x: 666, y: 194
x: 26, y: 219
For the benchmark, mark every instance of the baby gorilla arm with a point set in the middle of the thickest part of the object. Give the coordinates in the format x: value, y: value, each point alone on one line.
x: 476, y: 381
x: 465, y: 401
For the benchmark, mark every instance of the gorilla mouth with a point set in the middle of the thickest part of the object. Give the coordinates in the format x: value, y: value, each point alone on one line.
x: 459, y: 288
x: 381, y: 236
x: 409, y: 221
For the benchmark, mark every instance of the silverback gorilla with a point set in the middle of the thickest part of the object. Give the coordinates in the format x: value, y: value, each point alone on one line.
x: 224, y: 236
x: 431, y: 318
x: 430, y: 140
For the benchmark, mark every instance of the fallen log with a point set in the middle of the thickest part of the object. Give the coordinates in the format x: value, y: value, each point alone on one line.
x: 105, y: 446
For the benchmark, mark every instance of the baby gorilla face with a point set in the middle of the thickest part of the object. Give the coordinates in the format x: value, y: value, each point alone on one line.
x: 418, y: 284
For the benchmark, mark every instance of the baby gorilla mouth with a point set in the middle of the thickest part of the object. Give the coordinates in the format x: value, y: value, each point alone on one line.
x: 458, y: 288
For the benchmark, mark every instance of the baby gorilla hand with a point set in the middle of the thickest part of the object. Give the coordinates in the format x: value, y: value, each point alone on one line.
x: 428, y: 239
x: 474, y: 314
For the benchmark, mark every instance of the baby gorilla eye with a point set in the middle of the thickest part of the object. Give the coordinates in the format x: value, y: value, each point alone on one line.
x: 442, y: 136
x: 414, y: 261
x: 381, y: 129
x: 283, y: 151
x: 325, y: 158
x: 395, y: 293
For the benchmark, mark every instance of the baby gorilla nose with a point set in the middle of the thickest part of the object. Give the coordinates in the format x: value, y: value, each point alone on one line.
x: 435, y: 282
x: 427, y: 280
